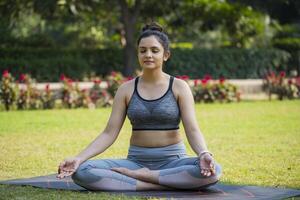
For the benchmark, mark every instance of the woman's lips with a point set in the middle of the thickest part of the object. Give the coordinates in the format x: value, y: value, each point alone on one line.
x: 148, y: 62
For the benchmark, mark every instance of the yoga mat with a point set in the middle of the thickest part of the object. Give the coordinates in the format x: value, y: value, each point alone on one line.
x: 218, y: 191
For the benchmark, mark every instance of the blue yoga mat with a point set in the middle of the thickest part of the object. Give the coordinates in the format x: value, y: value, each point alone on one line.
x: 218, y: 191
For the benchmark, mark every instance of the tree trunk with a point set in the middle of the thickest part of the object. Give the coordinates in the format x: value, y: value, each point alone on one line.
x: 129, y: 51
x: 129, y: 18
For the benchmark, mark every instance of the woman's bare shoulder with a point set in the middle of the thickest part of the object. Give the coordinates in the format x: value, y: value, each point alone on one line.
x: 180, y: 87
x: 126, y: 89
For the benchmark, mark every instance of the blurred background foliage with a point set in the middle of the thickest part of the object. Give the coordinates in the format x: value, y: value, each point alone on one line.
x: 104, y: 26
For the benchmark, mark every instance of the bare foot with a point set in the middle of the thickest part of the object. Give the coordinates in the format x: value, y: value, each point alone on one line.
x: 142, y: 186
x: 143, y: 174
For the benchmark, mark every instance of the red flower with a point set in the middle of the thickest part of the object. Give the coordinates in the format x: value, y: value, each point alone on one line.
x: 282, y: 74
x: 290, y: 82
x: 22, y: 77
x: 70, y: 81
x: 5, y: 74
x: 204, y: 81
x: 128, y: 78
x: 62, y: 77
x: 97, y: 81
x: 222, y: 80
x: 185, y: 77
x: 207, y: 77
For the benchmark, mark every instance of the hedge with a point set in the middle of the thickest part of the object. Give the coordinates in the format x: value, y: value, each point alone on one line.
x: 47, y: 64
x: 230, y: 63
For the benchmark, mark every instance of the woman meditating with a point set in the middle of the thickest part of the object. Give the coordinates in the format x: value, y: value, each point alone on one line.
x: 154, y: 102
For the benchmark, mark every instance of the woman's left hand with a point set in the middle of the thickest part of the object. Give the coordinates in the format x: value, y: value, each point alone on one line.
x: 207, y: 166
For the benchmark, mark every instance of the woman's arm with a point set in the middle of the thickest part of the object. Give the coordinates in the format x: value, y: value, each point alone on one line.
x: 103, y: 141
x: 188, y: 116
x: 113, y: 127
x: 192, y: 131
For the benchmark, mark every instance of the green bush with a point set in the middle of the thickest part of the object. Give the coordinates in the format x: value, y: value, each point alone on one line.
x: 47, y: 64
x: 229, y: 63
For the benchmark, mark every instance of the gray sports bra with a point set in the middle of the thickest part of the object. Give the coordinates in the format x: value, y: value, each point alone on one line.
x: 157, y: 114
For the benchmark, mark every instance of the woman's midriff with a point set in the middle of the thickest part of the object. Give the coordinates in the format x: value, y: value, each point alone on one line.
x: 155, y: 138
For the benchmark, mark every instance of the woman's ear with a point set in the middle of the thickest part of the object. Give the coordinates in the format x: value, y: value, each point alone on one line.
x: 167, y: 55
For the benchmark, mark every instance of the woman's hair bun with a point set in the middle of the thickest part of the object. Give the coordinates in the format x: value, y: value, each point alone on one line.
x: 153, y: 26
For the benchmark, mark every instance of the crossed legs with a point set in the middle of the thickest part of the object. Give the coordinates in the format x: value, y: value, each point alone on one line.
x: 123, y: 174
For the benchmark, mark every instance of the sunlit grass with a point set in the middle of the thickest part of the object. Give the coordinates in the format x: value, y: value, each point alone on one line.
x: 257, y: 143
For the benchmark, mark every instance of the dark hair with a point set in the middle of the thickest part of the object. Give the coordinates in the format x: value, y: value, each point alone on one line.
x: 156, y: 30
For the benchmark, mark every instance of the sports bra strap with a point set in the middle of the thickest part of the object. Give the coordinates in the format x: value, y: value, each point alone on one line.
x: 171, y: 82
x: 169, y: 88
x: 135, y: 83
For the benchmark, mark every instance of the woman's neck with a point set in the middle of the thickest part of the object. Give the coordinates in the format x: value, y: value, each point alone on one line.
x: 153, y: 76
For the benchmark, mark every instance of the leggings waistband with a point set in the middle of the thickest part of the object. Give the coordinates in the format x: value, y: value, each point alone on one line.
x: 156, y: 152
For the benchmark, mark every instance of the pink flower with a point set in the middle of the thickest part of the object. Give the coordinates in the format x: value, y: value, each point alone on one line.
x: 272, y: 74
x: 196, y: 81
x: 298, y: 80
x: 282, y: 74
x: 5, y: 74
x: 47, y: 88
x: 62, y: 77
x: 104, y: 93
x: 113, y: 73
x: 22, y: 77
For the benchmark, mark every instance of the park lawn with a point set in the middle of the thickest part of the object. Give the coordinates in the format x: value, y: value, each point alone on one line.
x: 257, y: 143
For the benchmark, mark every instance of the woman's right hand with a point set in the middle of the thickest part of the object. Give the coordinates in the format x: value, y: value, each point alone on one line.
x: 68, y: 167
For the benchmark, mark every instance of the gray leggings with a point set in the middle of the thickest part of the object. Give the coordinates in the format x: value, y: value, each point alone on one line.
x: 176, y: 169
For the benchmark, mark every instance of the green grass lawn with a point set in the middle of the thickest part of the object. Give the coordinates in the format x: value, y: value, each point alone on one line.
x: 257, y: 143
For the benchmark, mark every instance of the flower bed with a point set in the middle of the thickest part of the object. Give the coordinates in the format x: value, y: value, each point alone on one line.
x: 281, y: 86
x: 25, y: 93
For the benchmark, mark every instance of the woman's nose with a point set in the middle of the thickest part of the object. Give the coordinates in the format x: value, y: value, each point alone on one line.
x: 148, y: 54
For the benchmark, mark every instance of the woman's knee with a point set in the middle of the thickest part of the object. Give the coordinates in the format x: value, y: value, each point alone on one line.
x: 83, y: 174
x: 205, y: 181
x: 80, y: 173
x: 218, y: 171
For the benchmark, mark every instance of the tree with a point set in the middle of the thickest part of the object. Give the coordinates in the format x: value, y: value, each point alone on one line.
x: 118, y: 20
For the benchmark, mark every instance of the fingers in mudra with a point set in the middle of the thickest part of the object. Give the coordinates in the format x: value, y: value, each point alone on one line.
x: 206, y: 172
x: 207, y: 166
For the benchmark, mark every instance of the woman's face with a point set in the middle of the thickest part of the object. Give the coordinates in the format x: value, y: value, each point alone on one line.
x: 151, y: 53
